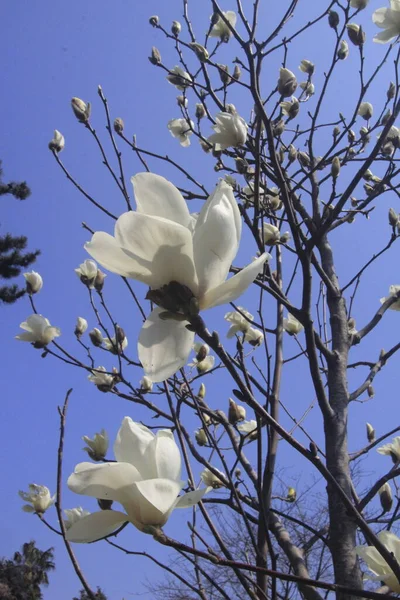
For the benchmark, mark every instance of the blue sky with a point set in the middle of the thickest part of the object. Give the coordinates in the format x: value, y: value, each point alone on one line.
x: 52, y: 52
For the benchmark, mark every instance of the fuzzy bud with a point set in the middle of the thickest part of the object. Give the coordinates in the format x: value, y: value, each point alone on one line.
x: 201, y: 437
x: 391, y: 91
x: 236, y: 412
x: 335, y: 167
x: 303, y: 159
x: 176, y: 28
x: 370, y: 433
x: 370, y: 391
x: 386, y: 498
x: 96, y: 337
x: 81, y: 109
x: 80, y: 327
x: 343, y: 51
x: 292, y: 153
x: 34, y: 282
x: 118, y: 125
x: 356, y: 34
x: 99, y: 280
x: 200, y: 111
x: 200, y: 51
x: 333, y: 19
x: 287, y: 82
x: 237, y: 73
x: 393, y: 217
x: 154, y: 20
x: 241, y: 165
x: 223, y: 71
x: 155, y: 57
x: 202, y: 391
x: 58, y: 142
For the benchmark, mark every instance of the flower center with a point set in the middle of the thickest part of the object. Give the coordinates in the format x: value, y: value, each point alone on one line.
x: 178, y: 300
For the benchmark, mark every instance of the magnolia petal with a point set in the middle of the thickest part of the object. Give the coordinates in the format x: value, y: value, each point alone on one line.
x: 27, y: 336
x: 374, y: 560
x: 162, y: 247
x: 163, y: 346
x: 191, y: 498
x: 104, y: 248
x: 163, y: 456
x: 95, y: 526
x: 154, y: 500
x: 108, y: 481
x: 386, y: 35
x: 131, y: 444
x: 160, y: 198
x: 235, y: 286
x: 391, y: 541
x: 216, y: 237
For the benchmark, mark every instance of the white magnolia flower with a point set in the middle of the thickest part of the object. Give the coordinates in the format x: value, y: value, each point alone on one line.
x: 239, y: 322
x: 377, y: 564
x: 81, y: 326
x: 203, y: 361
x: 179, y: 78
x: 101, y: 379
x: 146, y: 385
x: 111, y: 345
x: 387, y: 19
x: 290, y: 108
x: 392, y: 449
x: 145, y: 480
x: 98, y: 446
x: 359, y: 4
x: 236, y: 412
x: 34, y: 282
x: 57, y: 143
x: 393, y: 289
x: 185, y: 266
x: 249, y: 429
x: 87, y: 272
x: 74, y: 515
x: 221, y: 29
x: 365, y: 110
x: 39, y: 499
x: 254, y: 336
x: 181, y: 129
x: 38, y: 331
x: 291, y: 325
x: 308, y: 89
x: 287, y: 82
x: 211, y: 480
x: 230, y: 130
x: 201, y: 437
x: 271, y: 234
x: 343, y: 51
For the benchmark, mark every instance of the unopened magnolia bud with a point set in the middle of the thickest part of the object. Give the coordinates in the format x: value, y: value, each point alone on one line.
x: 393, y: 217
x: 34, y: 282
x: 292, y: 153
x: 370, y: 433
x: 200, y: 51
x: 386, y: 498
x: 104, y: 504
x: 202, y: 391
x: 176, y: 28
x: 391, y: 91
x: 287, y: 82
x: 80, y: 327
x: 370, y: 391
x: 351, y: 136
x: 366, y: 110
x: 146, y: 385
x: 278, y: 128
x: 386, y: 116
x: 238, y: 473
x: 58, y: 142
x: 343, y: 51
x: 241, y: 165
x: 200, y: 111
x: 81, y: 109
x: 335, y: 132
x: 333, y: 19
x: 201, y: 437
x: 231, y: 109
x: 237, y: 73
x: 119, y: 334
x: 182, y: 101
x: 291, y: 495
x: 118, y: 125
x: 356, y: 34
x: 303, y: 159
x: 236, y: 412
x: 202, y: 352
x: 96, y: 337
x: 335, y: 167
x: 285, y: 237
x: 224, y: 73
x: 155, y: 57
x: 154, y: 20
x: 99, y: 280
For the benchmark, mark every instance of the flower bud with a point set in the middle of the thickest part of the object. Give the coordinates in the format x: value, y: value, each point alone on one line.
x: 154, y: 20
x: 80, y: 327
x: 34, y: 282
x: 237, y: 73
x: 200, y: 111
x: 285, y: 237
x: 359, y: 4
x: 202, y: 391
x: 333, y: 19
x: 393, y: 217
x: 303, y: 159
x: 287, y: 82
x: 231, y: 109
x: 58, y: 142
x: 335, y: 133
x: 343, y: 51
x: 96, y: 337
x: 182, y: 101
x: 291, y: 495
x: 306, y: 66
x: 370, y: 391
x: 200, y: 51
x: 201, y: 437
x: 99, y: 280
x: 146, y: 385
x: 391, y: 91
x: 119, y: 335
x: 236, y: 412
x: 278, y: 128
x: 241, y: 165
x: 356, y: 34
x: 365, y: 110
x: 386, y: 498
x: 292, y: 153
x: 155, y: 57
x: 370, y: 433
x: 386, y: 117
x: 98, y: 446
x: 335, y: 167
x: 118, y: 125
x: 176, y: 28
x: 81, y: 109
x: 223, y: 71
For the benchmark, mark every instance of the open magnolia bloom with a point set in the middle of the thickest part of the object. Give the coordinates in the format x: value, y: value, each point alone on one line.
x: 146, y: 480
x: 387, y: 19
x: 38, y: 331
x: 377, y: 564
x: 184, y: 260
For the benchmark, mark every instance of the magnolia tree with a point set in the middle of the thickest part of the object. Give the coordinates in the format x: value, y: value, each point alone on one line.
x: 292, y: 176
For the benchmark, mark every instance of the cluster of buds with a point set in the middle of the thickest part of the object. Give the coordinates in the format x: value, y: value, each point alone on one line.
x: 356, y: 34
x: 90, y: 275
